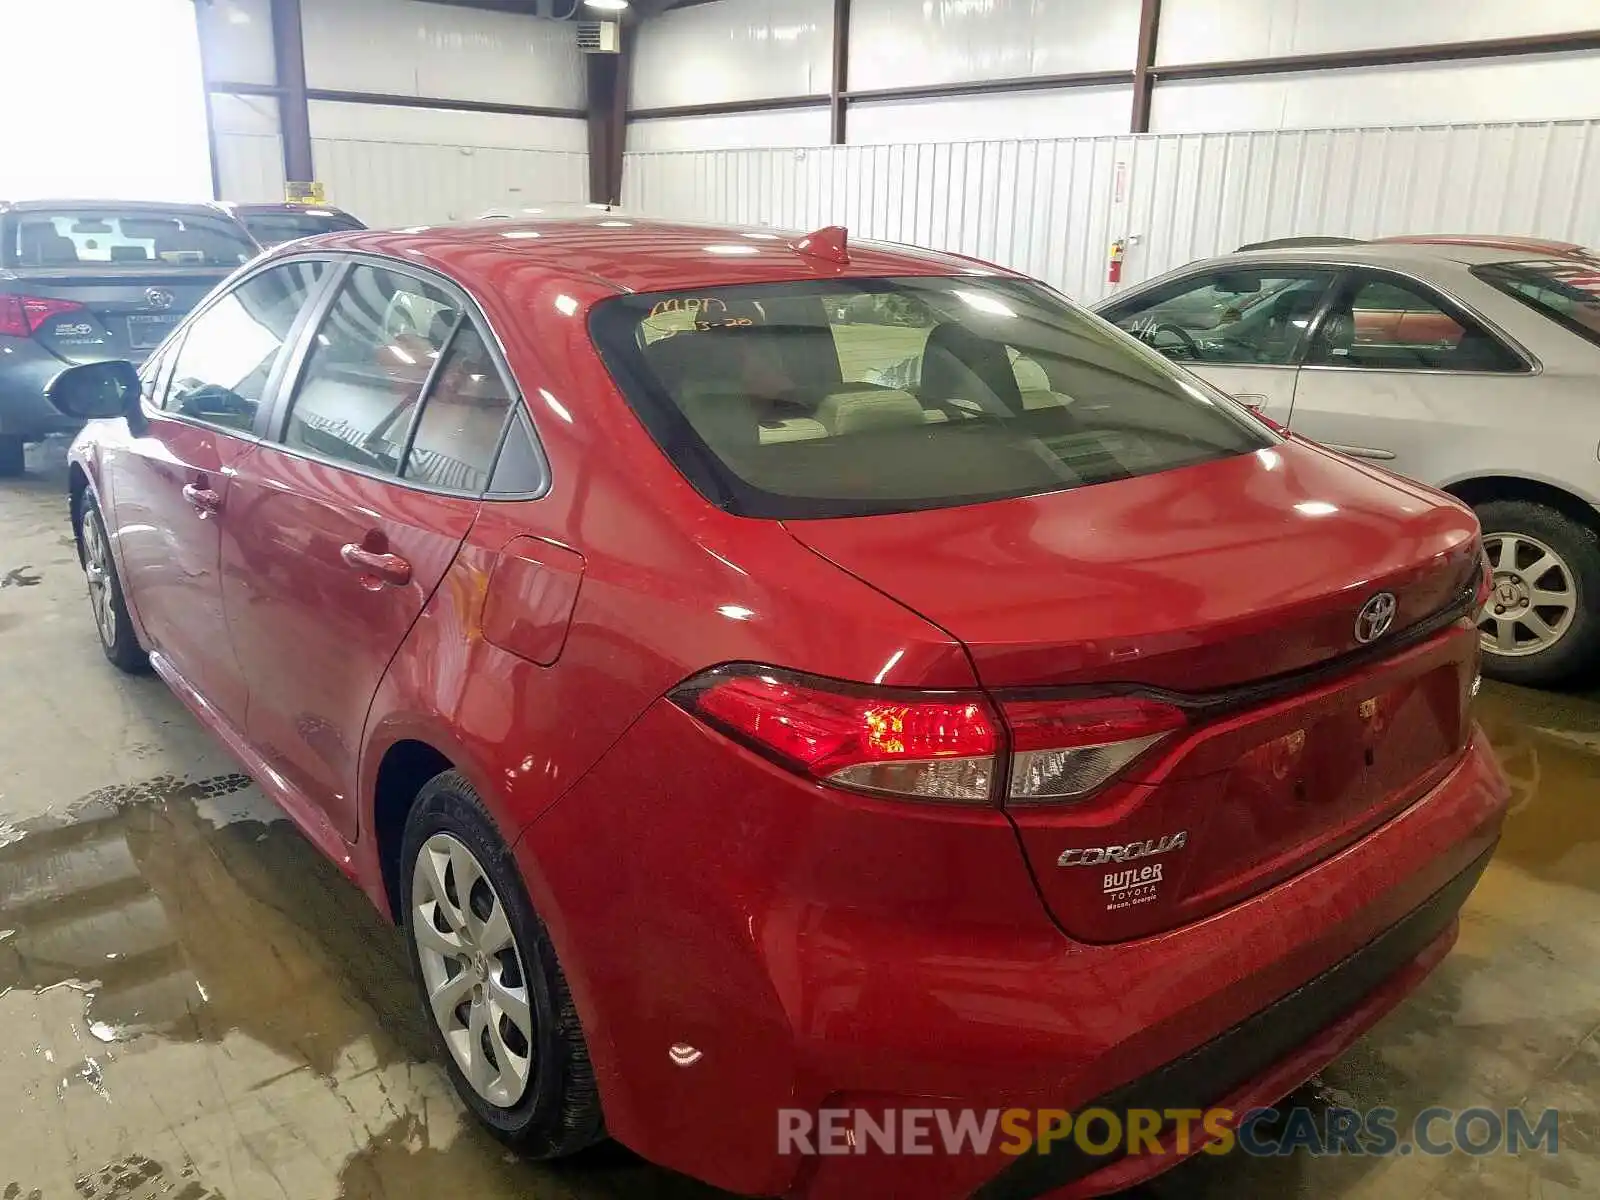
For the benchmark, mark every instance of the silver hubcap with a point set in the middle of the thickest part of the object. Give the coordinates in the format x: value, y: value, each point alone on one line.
x: 97, y: 569
x: 477, y: 988
x: 1534, y: 597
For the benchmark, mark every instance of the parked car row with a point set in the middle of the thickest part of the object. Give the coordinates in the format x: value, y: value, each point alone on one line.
x: 741, y: 723
x: 82, y: 281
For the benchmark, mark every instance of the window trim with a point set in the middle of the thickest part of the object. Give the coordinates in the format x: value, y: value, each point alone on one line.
x: 172, y: 347
x: 288, y: 386
x: 1449, y: 306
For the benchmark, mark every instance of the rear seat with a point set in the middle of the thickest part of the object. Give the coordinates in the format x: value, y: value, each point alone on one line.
x: 858, y: 407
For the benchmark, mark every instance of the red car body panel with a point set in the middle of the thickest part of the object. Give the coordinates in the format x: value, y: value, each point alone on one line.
x: 817, y: 944
x: 826, y: 966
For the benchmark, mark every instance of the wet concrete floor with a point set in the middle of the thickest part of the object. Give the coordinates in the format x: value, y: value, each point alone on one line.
x: 195, y: 1006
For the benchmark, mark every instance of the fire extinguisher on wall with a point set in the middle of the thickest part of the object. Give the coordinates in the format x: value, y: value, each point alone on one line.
x: 1119, y: 249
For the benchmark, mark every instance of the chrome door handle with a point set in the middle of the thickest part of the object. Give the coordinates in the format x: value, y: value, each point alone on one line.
x: 205, y: 501
x: 380, y: 568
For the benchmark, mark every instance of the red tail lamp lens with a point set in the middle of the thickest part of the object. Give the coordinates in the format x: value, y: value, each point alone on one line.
x: 936, y: 747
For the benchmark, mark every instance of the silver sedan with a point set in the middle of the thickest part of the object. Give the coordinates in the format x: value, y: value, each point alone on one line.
x: 1469, y: 363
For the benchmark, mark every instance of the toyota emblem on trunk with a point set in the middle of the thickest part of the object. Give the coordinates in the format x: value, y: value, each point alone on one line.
x: 1375, y: 617
x: 157, y: 298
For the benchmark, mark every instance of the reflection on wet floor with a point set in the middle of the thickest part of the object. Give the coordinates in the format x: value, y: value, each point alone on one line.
x: 185, y: 912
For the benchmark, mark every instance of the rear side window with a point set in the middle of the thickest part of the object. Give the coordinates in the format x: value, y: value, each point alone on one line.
x: 1385, y: 323
x: 1566, y: 291
x: 226, y: 355
x: 111, y: 240
x: 459, y: 428
x: 847, y: 397
x: 369, y: 361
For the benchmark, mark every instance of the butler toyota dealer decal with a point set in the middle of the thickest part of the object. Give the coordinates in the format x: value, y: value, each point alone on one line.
x: 1131, y: 885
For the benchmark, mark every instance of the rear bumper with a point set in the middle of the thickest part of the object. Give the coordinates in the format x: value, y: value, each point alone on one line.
x: 831, y: 951
x: 1260, y: 1059
x: 25, y: 371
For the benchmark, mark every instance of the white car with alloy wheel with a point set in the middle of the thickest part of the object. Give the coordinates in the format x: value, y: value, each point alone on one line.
x: 1470, y: 363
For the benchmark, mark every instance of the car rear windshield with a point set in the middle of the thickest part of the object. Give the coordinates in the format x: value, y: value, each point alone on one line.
x: 849, y: 397
x: 112, y: 240
x: 1565, y: 290
x: 272, y: 228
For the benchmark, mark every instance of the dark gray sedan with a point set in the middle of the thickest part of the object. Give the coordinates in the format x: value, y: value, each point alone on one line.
x: 82, y: 280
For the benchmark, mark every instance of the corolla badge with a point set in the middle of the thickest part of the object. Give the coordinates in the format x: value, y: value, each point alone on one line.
x: 1375, y: 617
x: 1096, y: 855
x: 158, y: 298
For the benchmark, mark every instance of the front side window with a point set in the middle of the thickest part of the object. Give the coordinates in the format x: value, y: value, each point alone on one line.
x: 1386, y: 323
x: 1566, y: 291
x: 1235, y: 316
x: 848, y: 397
x: 227, y: 353
x: 128, y: 240
x: 369, y: 361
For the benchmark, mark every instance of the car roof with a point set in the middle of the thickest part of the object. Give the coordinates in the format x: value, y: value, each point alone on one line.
x: 198, y: 209
x: 1401, y: 254
x: 281, y: 206
x: 640, y: 254
x: 1492, y: 241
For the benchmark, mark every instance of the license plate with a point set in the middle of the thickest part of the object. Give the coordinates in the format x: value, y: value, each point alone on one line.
x: 145, y: 332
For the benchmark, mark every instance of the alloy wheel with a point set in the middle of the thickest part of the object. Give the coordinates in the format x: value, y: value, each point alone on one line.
x: 97, y: 570
x: 472, y: 970
x: 1534, y: 598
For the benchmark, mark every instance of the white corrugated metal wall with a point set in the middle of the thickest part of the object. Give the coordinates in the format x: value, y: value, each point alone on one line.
x: 390, y: 183
x: 422, y: 158
x: 1052, y: 207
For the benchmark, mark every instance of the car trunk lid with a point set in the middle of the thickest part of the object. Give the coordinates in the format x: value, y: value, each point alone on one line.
x: 93, y: 313
x: 1233, y: 591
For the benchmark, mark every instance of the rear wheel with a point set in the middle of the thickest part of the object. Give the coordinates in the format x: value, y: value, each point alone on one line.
x: 117, y: 639
x: 488, y: 978
x: 12, y: 461
x: 1541, y: 625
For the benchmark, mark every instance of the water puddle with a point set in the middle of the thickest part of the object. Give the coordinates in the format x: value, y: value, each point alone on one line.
x: 170, y: 905
x: 1549, y: 748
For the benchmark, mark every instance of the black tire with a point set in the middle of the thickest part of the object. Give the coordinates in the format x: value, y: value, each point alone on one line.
x: 12, y: 460
x: 122, y: 650
x: 559, y: 1113
x: 1577, y: 651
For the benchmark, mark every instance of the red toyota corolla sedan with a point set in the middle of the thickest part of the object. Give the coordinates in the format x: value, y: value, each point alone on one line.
x: 771, y: 677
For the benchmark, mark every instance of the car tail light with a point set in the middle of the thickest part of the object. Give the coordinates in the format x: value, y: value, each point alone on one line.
x: 929, y: 745
x: 21, y: 316
x: 1064, y: 749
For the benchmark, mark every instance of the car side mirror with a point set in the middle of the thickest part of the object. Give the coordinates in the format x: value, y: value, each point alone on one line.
x: 97, y: 390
